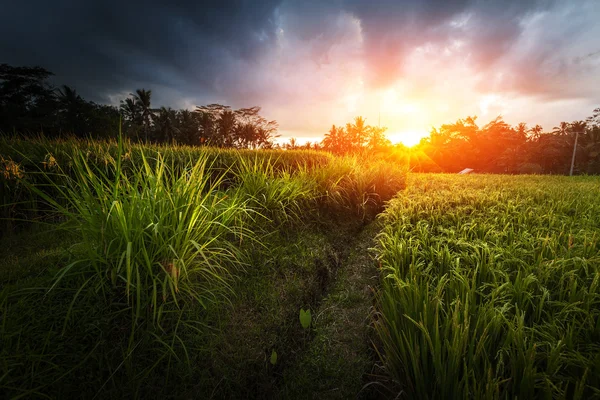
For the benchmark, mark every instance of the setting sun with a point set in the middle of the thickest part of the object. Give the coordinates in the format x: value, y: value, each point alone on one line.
x: 407, y: 138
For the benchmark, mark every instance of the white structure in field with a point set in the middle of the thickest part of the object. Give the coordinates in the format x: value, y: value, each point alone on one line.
x: 466, y: 171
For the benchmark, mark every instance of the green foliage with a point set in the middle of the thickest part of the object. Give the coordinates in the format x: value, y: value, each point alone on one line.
x: 276, y: 195
x: 356, y: 137
x: 305, y: 318
x: 273, y: 358
x: 361, y: 186
x: 160, y: 236
x: 501, y: 148
x: 491, y: 288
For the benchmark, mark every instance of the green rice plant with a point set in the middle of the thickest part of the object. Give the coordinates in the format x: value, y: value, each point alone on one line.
x: 42, y: 154
x: 158, y: 237
x: 359, y: 185
x: 281, y: 196
x: 490, y: 288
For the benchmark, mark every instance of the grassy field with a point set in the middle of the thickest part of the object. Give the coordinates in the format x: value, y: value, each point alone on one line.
x: 170, y: 272
x: 176, y: 272
x: 491, y: 287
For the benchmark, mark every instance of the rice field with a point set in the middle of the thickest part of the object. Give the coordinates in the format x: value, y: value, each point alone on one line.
x: 167, y: 272
x: 491, y: 287
x: 165, y: 260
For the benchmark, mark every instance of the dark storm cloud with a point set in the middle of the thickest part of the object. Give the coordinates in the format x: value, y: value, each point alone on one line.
x: 216, y: 51
x: 110, y: 46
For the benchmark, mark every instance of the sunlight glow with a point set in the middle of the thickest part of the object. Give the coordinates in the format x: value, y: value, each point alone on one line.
x: 407, y: 138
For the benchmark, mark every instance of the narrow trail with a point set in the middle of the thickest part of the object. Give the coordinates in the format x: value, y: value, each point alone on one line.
x: 340, y: 355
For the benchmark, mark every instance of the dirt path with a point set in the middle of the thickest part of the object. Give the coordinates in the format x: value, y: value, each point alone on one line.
x: 337, y: 362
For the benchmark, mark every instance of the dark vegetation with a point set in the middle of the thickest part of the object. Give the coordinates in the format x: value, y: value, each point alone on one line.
x: 29, y: 105
x: 183, y: 257
x: 158, y: 271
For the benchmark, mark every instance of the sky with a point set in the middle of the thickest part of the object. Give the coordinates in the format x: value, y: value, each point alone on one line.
x: 405, y: 64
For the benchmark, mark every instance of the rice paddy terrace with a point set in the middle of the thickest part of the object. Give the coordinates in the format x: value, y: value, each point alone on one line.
x: 159, y: 272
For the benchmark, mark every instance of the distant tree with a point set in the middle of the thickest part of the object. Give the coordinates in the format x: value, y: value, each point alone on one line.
x: 356, y: 137
x: 577, y: 127
x: 335, y: 140
x: 536, y: 131
x: 357, y: 134
x: 225, y: 129
x: 102, y: 120
x: 131, y: 117
x: 215, y: 128
x: 253, y: 130
x: 376, y: 139
x: 166, y: 124
x: 142, y: 99
x: 188, y: 127
x: 73, y: 110
x: 27, y: 100
x: 130, y: 110
x: 206, y: 125
x: 562, y: 129
x: 594, y: 119
x: 266, y: 134
x: 243, y: 128
x: 292, y: 144
x: 521, y: 129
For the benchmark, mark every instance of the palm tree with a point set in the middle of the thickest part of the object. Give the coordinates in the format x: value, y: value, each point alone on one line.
x: 562, y: 129
x: 245, y: 135
x: 357, y: 133
x: 577, y: 127
x: 130, y: 110
x: 536, y: 131
x: 166, y: 119
x: 225, y: 127
x: 71, y: 108
x: 130, y: 113
x: 142, y: 100
x: 335, y: 140
x: 377, y: 139
x: 521, y: 129
x: 292, y: 144
x: 189, y: 127
x: 207, y: 126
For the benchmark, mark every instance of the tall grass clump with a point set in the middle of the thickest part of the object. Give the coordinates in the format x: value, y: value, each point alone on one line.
x: 41, y: 153
x: 154, y: 235
x: 491, y: 288
x: 360, y: 186
x: 279, y: 196
x: 12, y: 192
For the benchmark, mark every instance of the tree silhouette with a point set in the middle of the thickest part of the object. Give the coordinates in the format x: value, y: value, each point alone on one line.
x: 27, y: 101
x: 72, y: 111
x: 188, y: 127
x: 142, y: 99
x: 335, y: 140
x: 562, y: 129
x: 166, y: 124
x: 29, y: 104
x: 536, y: 131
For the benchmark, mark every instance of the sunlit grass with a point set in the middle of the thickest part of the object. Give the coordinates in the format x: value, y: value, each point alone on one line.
x: 158, y: 238
x: 491, y: 288
x: 160, y: 235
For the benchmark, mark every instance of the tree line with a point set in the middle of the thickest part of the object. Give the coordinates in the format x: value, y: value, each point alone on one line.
x: 29, y: 104
x: 498, y: 147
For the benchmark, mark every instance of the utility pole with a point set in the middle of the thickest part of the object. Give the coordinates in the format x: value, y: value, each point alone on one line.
x: 574, y: 150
